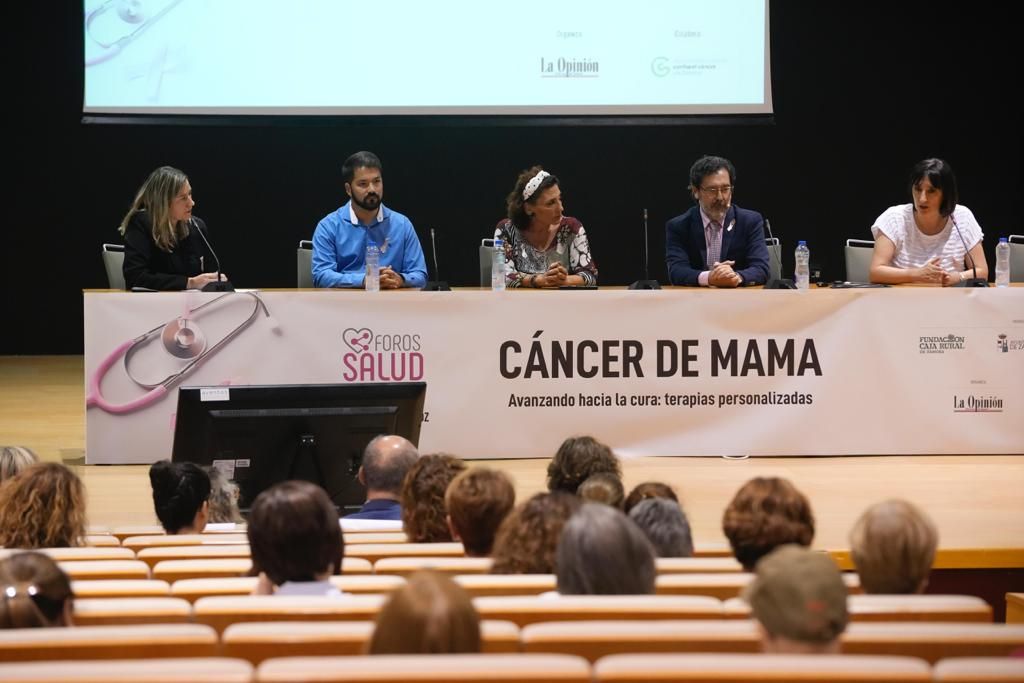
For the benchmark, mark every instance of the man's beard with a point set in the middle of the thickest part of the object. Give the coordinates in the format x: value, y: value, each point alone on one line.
x: 369, y: 202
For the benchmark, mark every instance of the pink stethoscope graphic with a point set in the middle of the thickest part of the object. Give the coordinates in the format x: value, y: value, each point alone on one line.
x: 182, y: 338
x: 130, y: 12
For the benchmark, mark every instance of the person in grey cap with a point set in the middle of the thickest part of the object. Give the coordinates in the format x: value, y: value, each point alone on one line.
x: 799, y: 599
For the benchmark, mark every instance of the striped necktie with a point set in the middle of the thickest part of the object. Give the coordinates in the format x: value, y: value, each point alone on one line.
x: 714, y: 244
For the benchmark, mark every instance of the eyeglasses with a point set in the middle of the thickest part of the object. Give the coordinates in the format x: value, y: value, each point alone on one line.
x: 723, y: 191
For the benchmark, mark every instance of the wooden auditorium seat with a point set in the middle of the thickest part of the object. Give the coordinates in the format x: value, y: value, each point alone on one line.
x: 377, y: 551
x: 125, y: 588
x: 222, y: 611
x: 137, y: 543
x: 152, y: 556
x: 532, y: 609
x: 932, y: 641
x: 173, y: 571
x: 722, y: 586
x: 595, y: 639
x: 259, y: 641
x: 500, y: 668
x: 360, y: 526
x: 697, y: 565
x: 755, y: 668
x: 375, y: 537
x: 404, y: 566
x: 1015, y: 608
x: 107, y: 642
x: 900, y: 608
x: 123, y: 532
x: 193, y: 589
x: 105, y: 569
x: 110, y: 611
x: 80, y: 554
x: 479, y: 585
x: 712, y: 549
x: 193, y: 670
x: 979, y: 670
x: 101, y: 541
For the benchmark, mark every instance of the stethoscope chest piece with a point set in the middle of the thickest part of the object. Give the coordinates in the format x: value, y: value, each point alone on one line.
x: 182, y: 338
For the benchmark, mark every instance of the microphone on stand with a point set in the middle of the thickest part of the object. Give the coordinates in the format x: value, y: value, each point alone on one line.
x: 218, y: 285
x: 776, y: 282
x: 971, y: 281
x: 647, y: 282
x: 439, y: 285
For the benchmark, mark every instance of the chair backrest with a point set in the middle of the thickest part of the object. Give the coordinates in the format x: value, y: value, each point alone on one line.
x: 1015, y: 608
x: 697, y: 565
x: 101, y: 541
x: 1016, y: 258
x: 126, y: 588
x: 723, y: 586
x: 532, y: 609
x: 932, y: 641
x: 502, y: 668
x: 119, y: 611
x: 744, y: 668
x: 858, y: 260
x: 137, y: 543
x: 80, y: 570
x: 304, y: 265
x: 486, y: 261
x: 82, y: 553
x: 958, y: 608
x: 179, y: 570
x: 404, y: 566
x: 220, y: 612
x: 377, y: 551
x: 193, y: 589
x: 774, y: 257
x: 152, y: 556
x: 977, y: 669
x: 259, y: 641
x: 595, y: 639
x: 479, y: 585
x: 193, y: 670
x: 113, y: 262
x: 106, y: 642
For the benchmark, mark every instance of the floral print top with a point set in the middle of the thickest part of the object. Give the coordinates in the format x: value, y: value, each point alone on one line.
x: 569, y: 247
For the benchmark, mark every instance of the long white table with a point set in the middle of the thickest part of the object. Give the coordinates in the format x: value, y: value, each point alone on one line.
x: 671, y: 372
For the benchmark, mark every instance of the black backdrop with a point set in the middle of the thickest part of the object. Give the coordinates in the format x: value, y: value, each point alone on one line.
x: 861, y: 92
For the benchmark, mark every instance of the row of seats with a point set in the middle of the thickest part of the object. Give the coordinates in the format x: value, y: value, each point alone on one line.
x: 531, y: 668
x: 857, y: 252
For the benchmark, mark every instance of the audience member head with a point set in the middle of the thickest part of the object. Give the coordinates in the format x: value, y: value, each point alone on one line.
x: 527, y: 541
x: 478, y: 501
x: 648, y: 489
x: 430, y: 614
x: 665, y: 525
x: 765, y: 513
x: 939, y: 175
x: 42, y: 507
x: 34, y: 592
x: 893, y: 546
x: 531, y: 185
x: 423, y: 515
x: 577, y: 459
x: 603, y: 487
x: 167, y: 197
x: 14, y: 459
x: 294, y: 534
x: 386, y: 461
x: 602, y: 552
x: 181, y: 494
x: 799, y: 599
x: 223, y: 503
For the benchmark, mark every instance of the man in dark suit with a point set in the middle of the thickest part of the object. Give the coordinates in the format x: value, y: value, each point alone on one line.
x: 386, y: 459
x: 716, y: 243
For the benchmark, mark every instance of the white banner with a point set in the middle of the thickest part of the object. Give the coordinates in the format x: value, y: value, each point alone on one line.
x: 651, y: 373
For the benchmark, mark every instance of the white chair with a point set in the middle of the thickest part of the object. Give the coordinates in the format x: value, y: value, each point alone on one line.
x: 1016, y: 258
x: 858, y: 260
x: 304, y: 256
x: 113, y: 261
x: 774, y: 257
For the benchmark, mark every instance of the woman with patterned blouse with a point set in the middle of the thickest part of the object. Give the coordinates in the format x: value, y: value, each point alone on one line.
x: 543, y: 247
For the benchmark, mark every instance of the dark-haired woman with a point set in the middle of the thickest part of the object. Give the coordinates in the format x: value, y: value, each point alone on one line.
x: 181, y: 494
x: 543, y: 246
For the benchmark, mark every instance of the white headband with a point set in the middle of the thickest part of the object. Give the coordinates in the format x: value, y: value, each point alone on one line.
x: 534, y: 183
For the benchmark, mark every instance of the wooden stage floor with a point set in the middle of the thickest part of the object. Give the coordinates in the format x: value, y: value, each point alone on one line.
x: 976, y: 500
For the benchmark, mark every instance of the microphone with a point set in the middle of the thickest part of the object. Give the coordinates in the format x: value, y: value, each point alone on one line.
x: 647, y: 282
x: 435, y: 285
x: 971, y: 281
x: 218, y: 285
x: 776, y: 282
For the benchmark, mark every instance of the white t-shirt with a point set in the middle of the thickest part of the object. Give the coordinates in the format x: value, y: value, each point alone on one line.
x: 914, y: 248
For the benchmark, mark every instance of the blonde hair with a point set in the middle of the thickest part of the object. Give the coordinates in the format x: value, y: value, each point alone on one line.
x: 14, y: 459
x: 34, y: 592
x: 430, y: 614
x: 155, y: 197
x: 43, y: 507
x: 893, y: 546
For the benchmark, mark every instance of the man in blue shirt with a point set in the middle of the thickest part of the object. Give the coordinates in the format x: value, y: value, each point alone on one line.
x: 339, y: 243
x: 386, y: 459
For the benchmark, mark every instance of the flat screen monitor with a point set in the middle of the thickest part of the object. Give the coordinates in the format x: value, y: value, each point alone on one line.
x: 261, y: 435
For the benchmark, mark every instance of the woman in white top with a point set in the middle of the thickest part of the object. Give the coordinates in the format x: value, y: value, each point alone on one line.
x: 932, y: 239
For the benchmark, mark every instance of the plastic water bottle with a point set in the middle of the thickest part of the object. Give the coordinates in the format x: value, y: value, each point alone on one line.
x: 803, y: 265
x: 1003, y: 263
x: 372, y: 267
x: 498, y: 267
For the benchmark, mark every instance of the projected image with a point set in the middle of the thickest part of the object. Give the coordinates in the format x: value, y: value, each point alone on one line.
x: 410, y: 57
